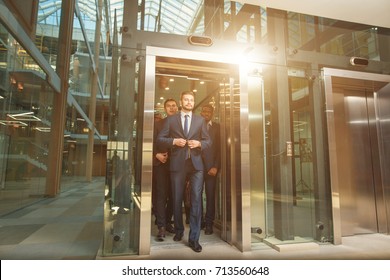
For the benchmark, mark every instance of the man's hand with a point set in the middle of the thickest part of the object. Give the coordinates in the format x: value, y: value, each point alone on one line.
x: 163, y: 157
x: 180, y: 142
x: 194, y: 144
x: 213, y: 171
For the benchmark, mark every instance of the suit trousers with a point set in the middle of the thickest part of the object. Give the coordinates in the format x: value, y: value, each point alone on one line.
x: 163, y: 198
x: 178, y: 179
x: 210, y: 185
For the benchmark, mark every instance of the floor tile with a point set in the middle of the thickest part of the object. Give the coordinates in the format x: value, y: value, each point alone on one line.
x: 17, y: 233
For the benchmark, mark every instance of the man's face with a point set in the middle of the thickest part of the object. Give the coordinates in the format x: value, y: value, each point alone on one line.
x: 171, y: 108
x: 187, y: 102
x: 207, y: 113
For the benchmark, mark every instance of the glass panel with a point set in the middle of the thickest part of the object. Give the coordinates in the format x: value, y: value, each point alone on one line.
x: 195, y: 17
x: 230, y: 148
x: 302, y: 166
x: 25, y: 122
x: 333, y: 37
x: 301, y: 29
x: 175, y: 17
x: 123, y: 181
x: 308, y: 201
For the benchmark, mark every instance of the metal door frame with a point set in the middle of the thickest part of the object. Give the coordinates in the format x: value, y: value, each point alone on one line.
x: 242, y: 240
x: 327, y: 74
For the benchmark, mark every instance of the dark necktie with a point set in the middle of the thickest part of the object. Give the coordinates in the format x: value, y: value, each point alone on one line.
x: 186, y: 125
x: 186, y: 134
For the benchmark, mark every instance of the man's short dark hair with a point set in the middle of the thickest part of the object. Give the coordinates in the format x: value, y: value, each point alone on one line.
x: 168, y: 100
x: 187, y: 92
x: 208, y: 106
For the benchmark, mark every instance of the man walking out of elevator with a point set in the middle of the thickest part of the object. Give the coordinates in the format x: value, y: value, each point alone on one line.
x: 212, y: 162
x: 162, y: 204
x: 186, y: 135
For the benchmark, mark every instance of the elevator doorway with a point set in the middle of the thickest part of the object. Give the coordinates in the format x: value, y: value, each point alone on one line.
x: 219, y: 81
x: 354, y: 152
x: 212, y: 84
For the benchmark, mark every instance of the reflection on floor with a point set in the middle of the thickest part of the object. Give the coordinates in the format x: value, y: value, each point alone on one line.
x: 70, y: 226
x: 16, y: 194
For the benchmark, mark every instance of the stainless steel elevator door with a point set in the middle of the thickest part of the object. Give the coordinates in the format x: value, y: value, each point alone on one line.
x: 354, y: 140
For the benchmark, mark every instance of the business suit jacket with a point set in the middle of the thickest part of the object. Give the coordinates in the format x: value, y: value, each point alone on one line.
x: 212, y: 155
x: 157, y: 148
x: 173, y: 129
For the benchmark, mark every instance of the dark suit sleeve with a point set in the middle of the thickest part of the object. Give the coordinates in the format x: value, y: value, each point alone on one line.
x: 157, y: 148
x: 216, y: 146
x: 205, y: 136
x: 156, y: 130
x: 155, y: 133
x: 212, y: 155
x: 164, y: 141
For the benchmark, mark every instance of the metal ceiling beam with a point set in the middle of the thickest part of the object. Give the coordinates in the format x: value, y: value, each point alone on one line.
x: 242, y: 18
x: 17, y: 31
x: 334, y: 30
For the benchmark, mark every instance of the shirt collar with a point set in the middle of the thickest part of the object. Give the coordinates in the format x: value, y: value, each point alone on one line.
x: 183, y: 114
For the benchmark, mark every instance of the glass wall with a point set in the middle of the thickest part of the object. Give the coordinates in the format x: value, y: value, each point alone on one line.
x: 25, y: 122
x: 210, y: 18
x: 79, y: 118
x: 27, y: 104
x: 84, y: 160
x: 329, y: 36
x: 124, y: 157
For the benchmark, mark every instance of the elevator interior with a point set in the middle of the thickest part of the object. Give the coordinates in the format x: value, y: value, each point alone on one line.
x: 207, y: 80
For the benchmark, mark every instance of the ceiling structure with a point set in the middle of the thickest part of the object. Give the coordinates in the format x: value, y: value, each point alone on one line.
x: 374, y: 12
x: 184, y: 16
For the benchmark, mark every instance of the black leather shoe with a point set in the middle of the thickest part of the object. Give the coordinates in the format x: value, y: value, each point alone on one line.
x: 208, y: 230
x: 178, y: 237
x: 195, y: 246
x: 169, y: 228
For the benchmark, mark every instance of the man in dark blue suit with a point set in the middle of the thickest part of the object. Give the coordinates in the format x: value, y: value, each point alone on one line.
x: 212, y: 162
x: 186, y: 135
x: 161, y: 192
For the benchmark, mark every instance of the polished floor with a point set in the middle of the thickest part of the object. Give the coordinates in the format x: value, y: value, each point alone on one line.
x: 70, y: 227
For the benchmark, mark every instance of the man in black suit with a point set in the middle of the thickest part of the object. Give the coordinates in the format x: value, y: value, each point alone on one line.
x: 161, y: 192
x: 186, y: 135
x: 212, y: 162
